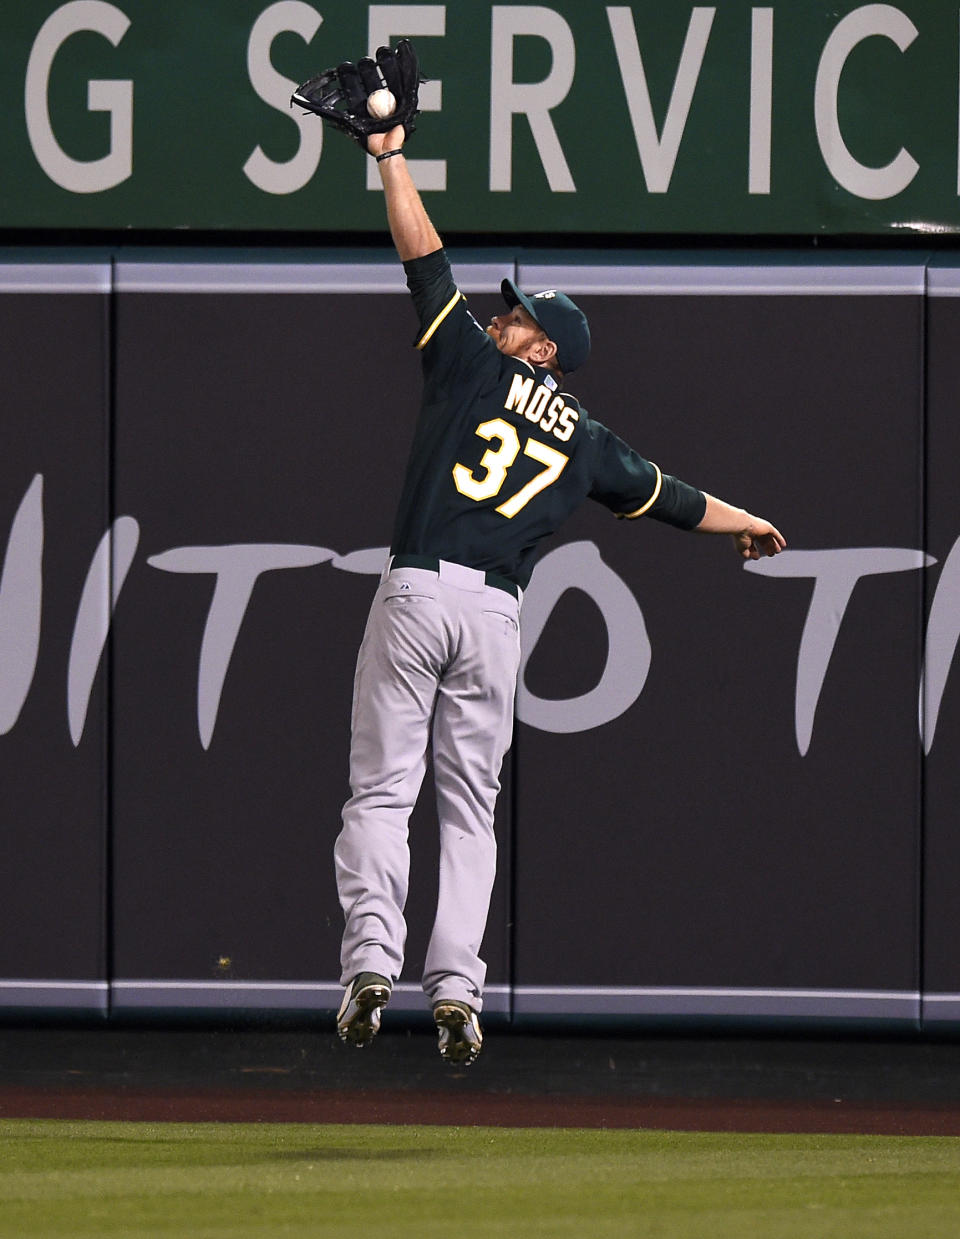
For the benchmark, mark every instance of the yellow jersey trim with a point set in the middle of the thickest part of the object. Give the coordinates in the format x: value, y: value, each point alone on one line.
x: 425, y: 338
x: 650, y: 502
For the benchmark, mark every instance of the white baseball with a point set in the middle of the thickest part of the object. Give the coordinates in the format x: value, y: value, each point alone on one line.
x: 381, y: 104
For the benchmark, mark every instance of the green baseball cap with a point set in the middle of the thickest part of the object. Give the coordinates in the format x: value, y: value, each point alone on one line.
x: 562, y: 319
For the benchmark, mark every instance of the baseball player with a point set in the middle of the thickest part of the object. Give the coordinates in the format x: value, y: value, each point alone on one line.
x: 502, y: 453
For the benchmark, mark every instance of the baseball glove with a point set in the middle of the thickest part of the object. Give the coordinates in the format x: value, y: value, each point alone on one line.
x: 339, y: 96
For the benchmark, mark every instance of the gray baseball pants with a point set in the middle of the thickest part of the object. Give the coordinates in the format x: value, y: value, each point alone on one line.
x: 438, y: 662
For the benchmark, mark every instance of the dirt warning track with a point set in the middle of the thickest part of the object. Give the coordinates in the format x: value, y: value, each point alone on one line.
x: 258, y: 1105
x: 680, y: 1083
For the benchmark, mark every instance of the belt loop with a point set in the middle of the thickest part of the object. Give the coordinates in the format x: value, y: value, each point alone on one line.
x: 386, y: 570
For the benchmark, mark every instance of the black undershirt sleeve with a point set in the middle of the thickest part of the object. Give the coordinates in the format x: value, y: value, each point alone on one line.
x: 632, y: 486
x: 678, y: 504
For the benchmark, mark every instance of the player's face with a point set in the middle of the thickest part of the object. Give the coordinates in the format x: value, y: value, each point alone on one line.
x: 514, y: 331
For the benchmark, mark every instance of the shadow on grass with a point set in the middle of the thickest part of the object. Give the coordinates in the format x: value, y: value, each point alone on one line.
x: 212, y: 1152
x: 367, y: 1155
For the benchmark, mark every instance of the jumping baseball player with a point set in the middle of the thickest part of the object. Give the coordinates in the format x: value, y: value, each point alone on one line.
x: 502, y: 453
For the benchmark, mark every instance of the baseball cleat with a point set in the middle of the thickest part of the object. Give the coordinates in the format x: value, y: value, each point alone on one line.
x: 458, y: 1029
x: 358, y: 1020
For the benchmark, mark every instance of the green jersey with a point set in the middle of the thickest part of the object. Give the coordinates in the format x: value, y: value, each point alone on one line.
x: 502, y: 455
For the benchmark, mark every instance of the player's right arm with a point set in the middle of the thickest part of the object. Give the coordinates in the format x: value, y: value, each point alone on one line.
x: 413, y: 234
x: 753, y: 536
x: 631, y: 486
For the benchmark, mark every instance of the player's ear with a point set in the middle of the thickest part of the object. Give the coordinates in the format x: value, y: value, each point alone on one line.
x: 543, y: 351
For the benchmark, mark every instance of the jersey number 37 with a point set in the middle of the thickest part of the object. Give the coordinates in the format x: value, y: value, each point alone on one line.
x: 496, y: 463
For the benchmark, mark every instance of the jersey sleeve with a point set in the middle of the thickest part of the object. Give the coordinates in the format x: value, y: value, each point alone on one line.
x: 449, y: 338
x: 631, y: 486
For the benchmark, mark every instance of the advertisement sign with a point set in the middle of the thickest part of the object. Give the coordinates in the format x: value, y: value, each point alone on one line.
x: 569, y: 118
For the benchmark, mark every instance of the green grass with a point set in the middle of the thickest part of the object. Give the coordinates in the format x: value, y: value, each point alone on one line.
x: 257, y: 1180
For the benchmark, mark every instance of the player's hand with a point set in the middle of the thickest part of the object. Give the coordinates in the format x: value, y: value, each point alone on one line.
x: 377, y: 143
x: 759, y: 538
x: 340, y: 96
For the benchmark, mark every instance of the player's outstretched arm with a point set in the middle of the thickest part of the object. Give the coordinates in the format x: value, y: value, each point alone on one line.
x: 413, y: 233
x: 752, y: 535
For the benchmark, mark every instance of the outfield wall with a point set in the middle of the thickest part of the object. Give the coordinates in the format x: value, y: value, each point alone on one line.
x: 730, y: 794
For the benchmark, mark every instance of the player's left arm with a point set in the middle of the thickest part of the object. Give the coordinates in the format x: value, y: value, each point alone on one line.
x: 412, y: 231
x: 342, y: 96
x: 753, y: 536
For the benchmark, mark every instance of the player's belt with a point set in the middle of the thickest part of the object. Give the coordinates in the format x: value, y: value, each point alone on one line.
x: 431, y: 563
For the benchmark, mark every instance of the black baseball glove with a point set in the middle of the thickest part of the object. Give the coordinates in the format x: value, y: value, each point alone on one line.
x: 340, y: 95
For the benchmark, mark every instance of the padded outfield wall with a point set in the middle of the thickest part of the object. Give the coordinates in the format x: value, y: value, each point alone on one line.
x: 731, y: 790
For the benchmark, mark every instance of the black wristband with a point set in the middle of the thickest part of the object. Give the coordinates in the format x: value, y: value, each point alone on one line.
x: 389, y: 154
